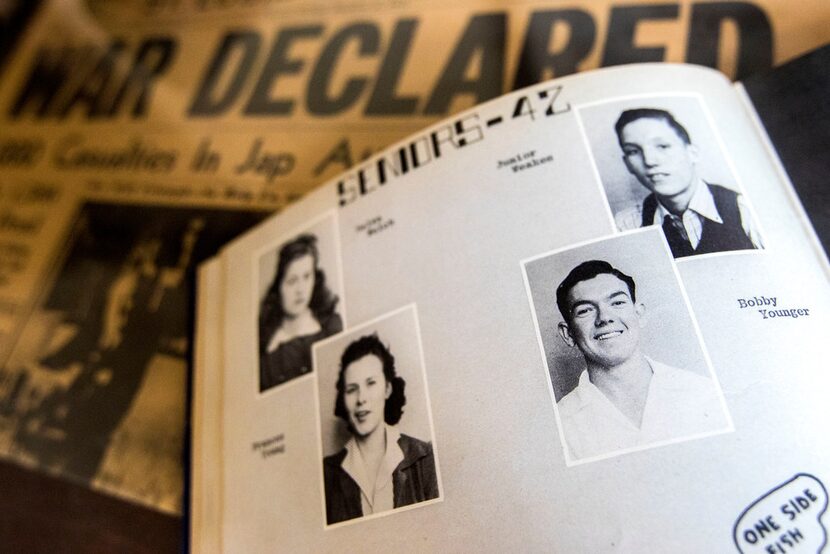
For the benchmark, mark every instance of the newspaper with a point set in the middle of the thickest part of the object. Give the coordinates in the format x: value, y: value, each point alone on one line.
x: 565, y: 320
x: 284, y: 95
x: 130, y: 129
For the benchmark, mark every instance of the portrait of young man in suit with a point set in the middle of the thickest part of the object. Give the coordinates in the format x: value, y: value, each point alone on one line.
x: 697, y: 217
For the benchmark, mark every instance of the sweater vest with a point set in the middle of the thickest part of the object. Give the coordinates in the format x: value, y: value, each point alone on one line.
x: 715, y: 237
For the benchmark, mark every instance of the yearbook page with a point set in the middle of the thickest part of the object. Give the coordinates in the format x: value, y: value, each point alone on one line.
x: 582, y: 317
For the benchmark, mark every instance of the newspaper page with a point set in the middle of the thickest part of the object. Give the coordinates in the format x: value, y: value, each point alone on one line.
x: 499, y: 334
x: 312, y: 87
x: 130, y: 128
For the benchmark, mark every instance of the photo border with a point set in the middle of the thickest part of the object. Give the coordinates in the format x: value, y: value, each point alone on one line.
x: 720, y: 144
x: 319, y: 344
x: 255, y: 259
x: 569, y: 461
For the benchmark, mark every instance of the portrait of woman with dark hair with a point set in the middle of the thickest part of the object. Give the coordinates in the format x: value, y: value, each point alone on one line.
x: 297, y: 310
x: 379, y: 468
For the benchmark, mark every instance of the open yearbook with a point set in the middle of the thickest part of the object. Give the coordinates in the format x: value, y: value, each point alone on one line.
x: 587, y: 316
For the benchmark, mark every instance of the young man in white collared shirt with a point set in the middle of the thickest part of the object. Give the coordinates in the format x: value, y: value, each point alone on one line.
x: 697, y: 217
x: 624, y: 399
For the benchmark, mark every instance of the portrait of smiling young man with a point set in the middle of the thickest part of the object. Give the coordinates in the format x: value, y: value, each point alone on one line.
x: 624, y: 399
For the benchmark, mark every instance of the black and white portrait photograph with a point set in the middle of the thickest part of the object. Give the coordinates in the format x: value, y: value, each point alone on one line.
x: 300, y: 301
x: 377, y: 441
x: 624, y: 358
x: 661, y: 163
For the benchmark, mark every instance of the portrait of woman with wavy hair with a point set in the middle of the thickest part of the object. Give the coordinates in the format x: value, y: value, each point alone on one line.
x: 379, y: 468
x: 297, y: 310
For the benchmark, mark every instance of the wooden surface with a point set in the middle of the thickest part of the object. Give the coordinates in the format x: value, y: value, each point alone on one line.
x: 44, y: 514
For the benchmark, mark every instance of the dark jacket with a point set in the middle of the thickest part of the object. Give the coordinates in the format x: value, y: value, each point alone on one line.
x: 293, y: 358
x: 413, y: 481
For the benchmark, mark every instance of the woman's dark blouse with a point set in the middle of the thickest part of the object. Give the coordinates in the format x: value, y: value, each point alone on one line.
x: 414, y: 480
x: 293, y: 358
